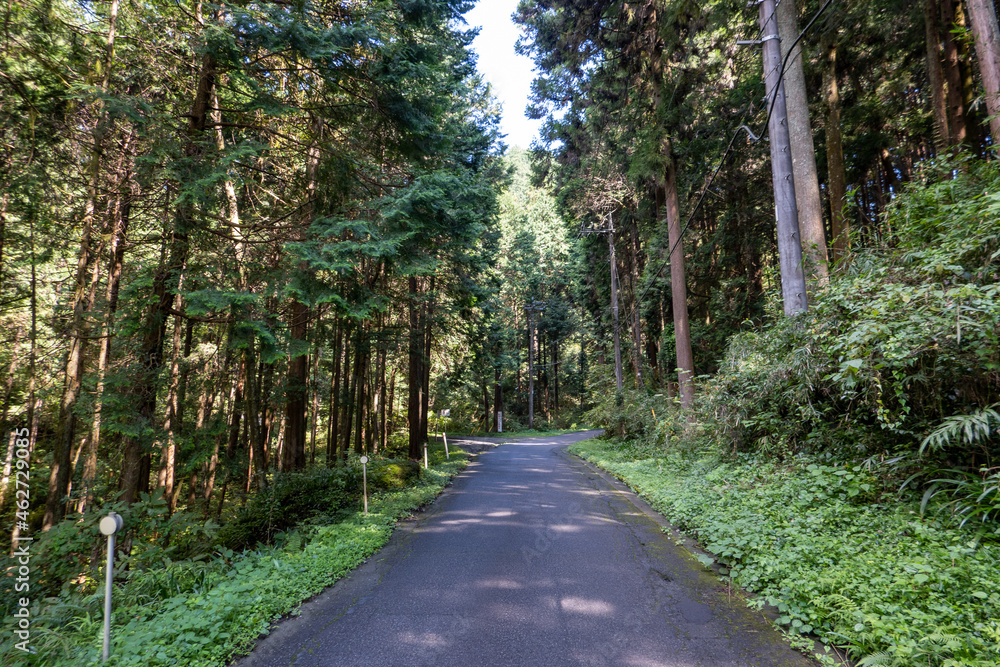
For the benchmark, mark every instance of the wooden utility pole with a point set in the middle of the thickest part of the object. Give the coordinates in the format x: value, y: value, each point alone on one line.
x: 807, y: 197
x: 793, y: 282
x: 614, y: 303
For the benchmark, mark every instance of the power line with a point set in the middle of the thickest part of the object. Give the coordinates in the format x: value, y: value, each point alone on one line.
x: 754, y: 138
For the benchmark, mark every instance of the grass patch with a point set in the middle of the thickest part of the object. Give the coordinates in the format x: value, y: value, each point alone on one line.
x: 221, y: 605
x: 841, y: 559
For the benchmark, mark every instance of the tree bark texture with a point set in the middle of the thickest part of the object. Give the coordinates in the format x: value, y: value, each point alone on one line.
x: 678, y: 287
x: 935, y: 75
x: 956, y: 68
x: 793, y: 283
x: 836, y: 171
x: 415, y: 373
x: 296, y: 391
x: 987, y: 33
x: 807, y: 197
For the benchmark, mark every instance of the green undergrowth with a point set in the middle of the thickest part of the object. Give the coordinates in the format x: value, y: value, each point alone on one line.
x: 841, y: 558
x: 223, y: 603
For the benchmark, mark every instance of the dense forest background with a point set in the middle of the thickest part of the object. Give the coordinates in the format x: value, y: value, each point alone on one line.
x: 242, y: 241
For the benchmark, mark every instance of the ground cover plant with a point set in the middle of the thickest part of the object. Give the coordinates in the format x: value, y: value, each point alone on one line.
x: 204, y: 609
x: 839, y: 558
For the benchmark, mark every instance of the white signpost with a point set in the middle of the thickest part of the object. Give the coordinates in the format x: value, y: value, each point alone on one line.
x: 110, y: 526
x: 499, y: 422
x: 364, y: 480
x: 444, y: 435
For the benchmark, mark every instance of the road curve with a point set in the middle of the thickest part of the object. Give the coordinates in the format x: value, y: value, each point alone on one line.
x: 530, y: 558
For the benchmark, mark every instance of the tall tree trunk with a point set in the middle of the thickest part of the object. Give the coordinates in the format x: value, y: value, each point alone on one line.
x: 678, y: 285
x: 415, y: 372
x: 258, y: 430
x: 333, y: 432
x: 486, y: 404
x: 389, y: 405
x: 807, y: 197
x: 836, y: 172
x: 314, y: 412
x: 8, y: 387
x: 77, y: 333
x: 935, y: 75
x: 205, y: 405
x: 555, y: 374
x: 294, y: 453
x: 4, y: 198
x: 347, y: 395
x: 952, y: 71
x: 983, y: 17
x: 11, y: 374
x: 497, y: 398
x: 635, y: 252
x: 383, y: 438
x: 168, y: 462
x: 426, y: 380
x: 361, y: 373
x: 969, y: 89
x: 120, y: 218
x: 135, y: 473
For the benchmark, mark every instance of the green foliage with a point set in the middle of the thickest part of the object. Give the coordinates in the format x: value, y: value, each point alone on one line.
x: 202, y: 612
x: 392, y: 475
x: 838, y: 558
x: 978, y: 427
x: 967, y: 495
x: 901, y: 339
x: 289, y: 500
x: 653, y: 418
x: 65, y: 557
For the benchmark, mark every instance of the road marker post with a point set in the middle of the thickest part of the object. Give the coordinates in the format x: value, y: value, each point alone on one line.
x: 364, y: 480
x: 110, y: 526
x: 444, y: 434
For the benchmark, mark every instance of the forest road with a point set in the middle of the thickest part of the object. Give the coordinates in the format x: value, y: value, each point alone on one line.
x: 531, y: 557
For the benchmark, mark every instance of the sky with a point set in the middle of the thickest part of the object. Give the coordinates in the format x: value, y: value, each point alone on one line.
x: 509, y: 74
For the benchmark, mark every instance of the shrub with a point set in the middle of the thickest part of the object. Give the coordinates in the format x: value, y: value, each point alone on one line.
x: 292, y: 498
x: 391, y: 475
x: 901, y: 339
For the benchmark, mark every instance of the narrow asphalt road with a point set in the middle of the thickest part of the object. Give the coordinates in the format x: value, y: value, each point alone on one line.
x: 530, y: 558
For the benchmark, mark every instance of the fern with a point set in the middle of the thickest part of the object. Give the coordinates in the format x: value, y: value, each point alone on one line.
x: 980, y: 426
x: 876, y: 659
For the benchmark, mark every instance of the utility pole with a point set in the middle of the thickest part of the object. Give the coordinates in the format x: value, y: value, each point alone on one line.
x: 610, y: 231
x: 807, y: 197
x: 793, y: 281
x: 531, y: 309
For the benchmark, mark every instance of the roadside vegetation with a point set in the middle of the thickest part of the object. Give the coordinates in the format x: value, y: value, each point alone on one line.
x: 844, y: 465
x: 211, y: 593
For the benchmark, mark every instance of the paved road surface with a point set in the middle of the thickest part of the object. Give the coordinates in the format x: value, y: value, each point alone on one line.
x: 530, y: 558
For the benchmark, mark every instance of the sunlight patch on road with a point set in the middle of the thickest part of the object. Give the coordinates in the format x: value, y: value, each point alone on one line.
x: 504, y: 584
x: 584, y: 606
x: 426, y: 639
